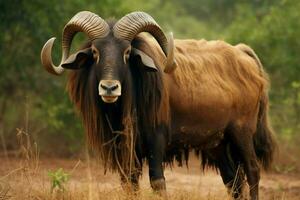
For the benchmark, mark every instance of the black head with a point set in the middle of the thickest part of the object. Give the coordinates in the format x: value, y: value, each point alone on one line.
x: 109, y: 51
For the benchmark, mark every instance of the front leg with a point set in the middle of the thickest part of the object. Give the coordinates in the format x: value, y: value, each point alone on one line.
x: 130, y: 183
x: 156, y: 144
x: 130, y: 180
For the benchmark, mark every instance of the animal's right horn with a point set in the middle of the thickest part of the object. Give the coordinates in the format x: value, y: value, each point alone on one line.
x: 170, y: 63
x: 129, y: 26
x: 85, y: 21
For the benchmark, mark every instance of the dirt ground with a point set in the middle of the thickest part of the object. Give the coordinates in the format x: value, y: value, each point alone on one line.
x: 21, y: 179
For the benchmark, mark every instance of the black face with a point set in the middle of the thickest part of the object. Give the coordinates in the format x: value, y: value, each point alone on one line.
x: 110, y: 57
x: 108, y: 60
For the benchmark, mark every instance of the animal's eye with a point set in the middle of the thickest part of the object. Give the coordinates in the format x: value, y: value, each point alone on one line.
x: 127, y: 54
x: 127, y: 51
x: 95, y: 53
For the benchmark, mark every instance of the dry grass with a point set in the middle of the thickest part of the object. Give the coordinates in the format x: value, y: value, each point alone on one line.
x: 25, y: 177
x: 22, y: 182
x: 28, y: 183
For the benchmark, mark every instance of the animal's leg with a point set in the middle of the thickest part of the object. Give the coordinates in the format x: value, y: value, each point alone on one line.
x: 231, y: 172
x: 156, y: 143
x: 130, y: 183
x: 130, y: 180
x: 242, y: 138
x: 228, y: 165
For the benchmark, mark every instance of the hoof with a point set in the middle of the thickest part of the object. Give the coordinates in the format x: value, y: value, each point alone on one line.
x: 159, y: 186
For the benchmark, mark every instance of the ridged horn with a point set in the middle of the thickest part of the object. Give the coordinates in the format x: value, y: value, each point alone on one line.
x: 86, y: 22
x: 136, y: 22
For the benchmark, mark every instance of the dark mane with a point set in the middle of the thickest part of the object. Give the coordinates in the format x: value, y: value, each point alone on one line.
x: 109, y: 129
x: 152, y: 102
x: 143, y: 105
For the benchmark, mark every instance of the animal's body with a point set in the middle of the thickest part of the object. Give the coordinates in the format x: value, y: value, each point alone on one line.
x: 212, y: 99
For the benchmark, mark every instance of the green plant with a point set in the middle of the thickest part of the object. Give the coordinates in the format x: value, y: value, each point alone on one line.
x: 58, y: 179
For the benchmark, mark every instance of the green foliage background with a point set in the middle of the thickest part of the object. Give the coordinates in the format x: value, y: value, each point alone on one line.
x: 35, y: 101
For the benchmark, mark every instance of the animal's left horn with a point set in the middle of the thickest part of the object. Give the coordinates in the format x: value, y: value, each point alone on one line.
x: 136, y: 22
x: 84, y: 21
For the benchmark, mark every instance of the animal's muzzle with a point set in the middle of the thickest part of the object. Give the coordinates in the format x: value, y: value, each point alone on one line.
x: 109, y: 90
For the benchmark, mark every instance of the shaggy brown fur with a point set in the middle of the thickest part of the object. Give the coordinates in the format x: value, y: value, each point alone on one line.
x: 219, y: 107
x: 212, y: 77
x: 215, y: 102
x: 216, y: 84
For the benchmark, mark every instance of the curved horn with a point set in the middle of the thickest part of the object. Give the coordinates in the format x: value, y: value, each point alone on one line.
x: 171, y: 64
x: 136, y: 22
x: 85, y: 21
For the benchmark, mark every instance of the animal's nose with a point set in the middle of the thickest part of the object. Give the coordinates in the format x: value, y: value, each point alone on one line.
x: 111, y: 87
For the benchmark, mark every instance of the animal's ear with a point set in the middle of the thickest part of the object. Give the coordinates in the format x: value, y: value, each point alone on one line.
x: 78, y: 59
x: 145, y: 59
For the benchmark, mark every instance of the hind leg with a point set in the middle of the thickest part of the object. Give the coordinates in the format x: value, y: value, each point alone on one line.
x: 231, y: 171
x: 242, y: 138
x: 234, y: 181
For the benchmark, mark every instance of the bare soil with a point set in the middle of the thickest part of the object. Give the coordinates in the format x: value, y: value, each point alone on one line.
x: 24, y: 179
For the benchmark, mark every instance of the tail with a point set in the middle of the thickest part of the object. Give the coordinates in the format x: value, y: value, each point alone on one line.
x: 264, y: 141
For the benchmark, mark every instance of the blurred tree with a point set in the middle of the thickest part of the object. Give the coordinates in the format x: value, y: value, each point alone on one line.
x: 27, y: 91
x: 32, y: 99
x: 275, y: 38
x: 220, y: 13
